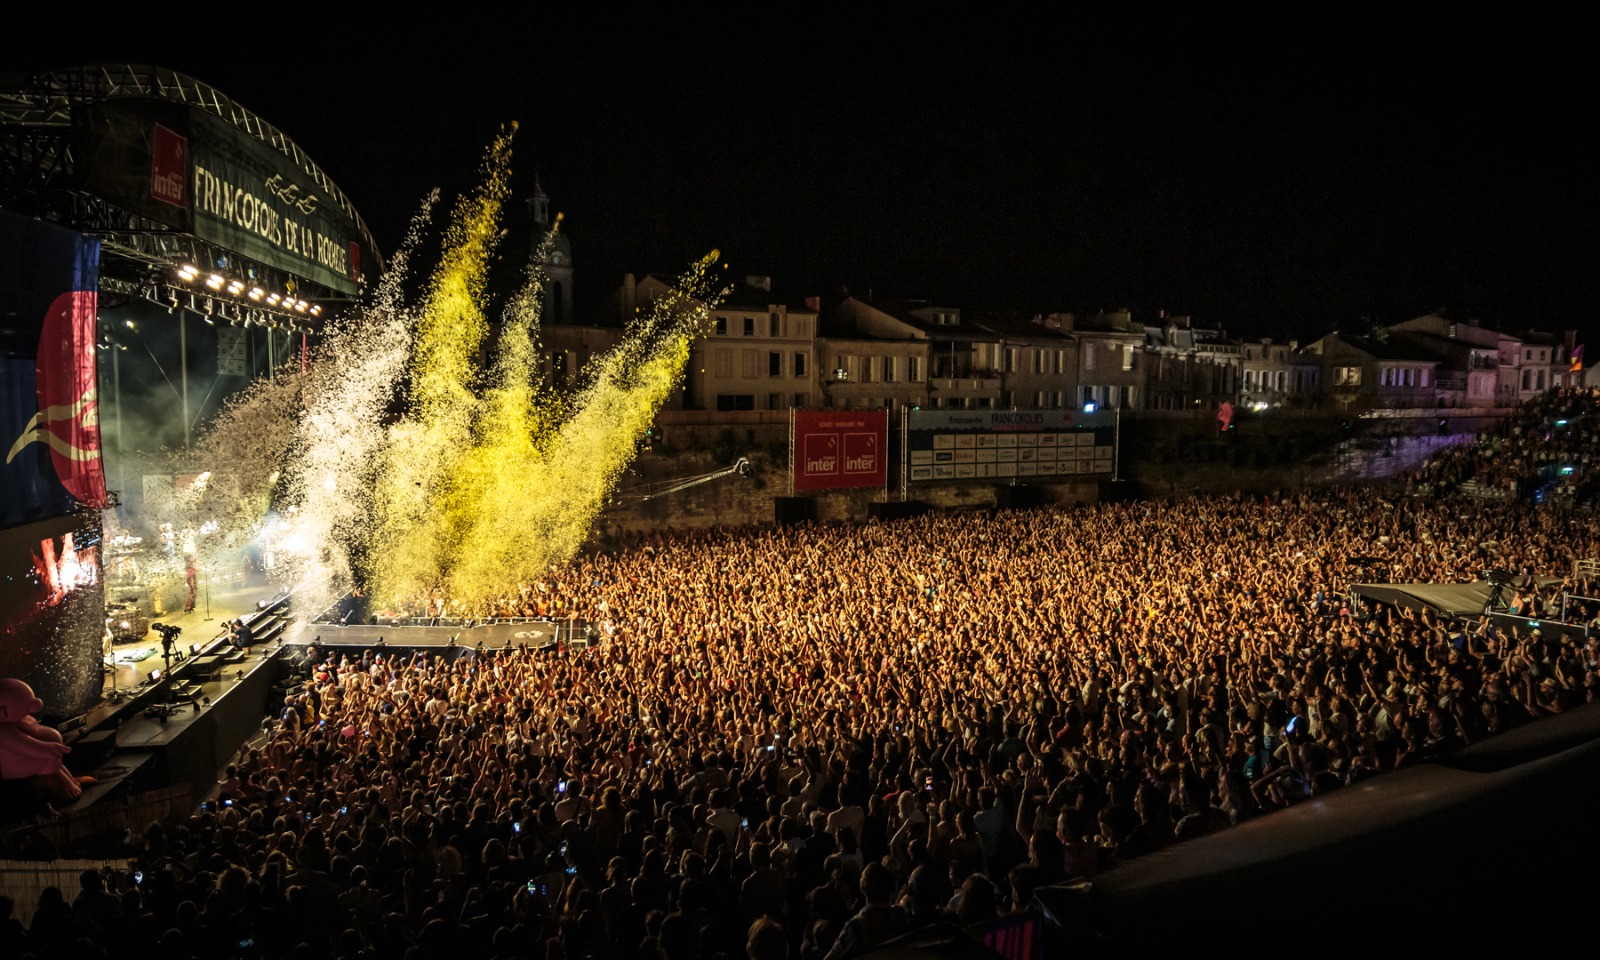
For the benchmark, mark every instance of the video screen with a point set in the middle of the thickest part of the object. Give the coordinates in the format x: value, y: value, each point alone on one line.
x: 52, y: 603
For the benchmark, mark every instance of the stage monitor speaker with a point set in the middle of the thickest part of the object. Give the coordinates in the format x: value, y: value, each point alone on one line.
x: 896, y: 509
x: 1020, y: 497
x: 92, y: 750
x: 1118, y: 491
x: 790, y: 510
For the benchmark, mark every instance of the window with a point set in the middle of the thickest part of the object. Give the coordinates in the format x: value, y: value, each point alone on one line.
x: 1127, y: 356
x: 1088, y: 355
x: 799, y: 400
x: 1061, y: 361
x: 749, y: 326
x: 752, y: 363
x: 1347, y: 376
x: 890, y: 369
x: 722, y: 326
x: 774, y: 401
x: 799, y: 364
x: 914, y: 369
x: 776, y: 325
x: 736, y: 401
x: 867, y: 369
x: 1422, y: 378
x: 722, y: 363
x: 1040, y: 400
x: 774, y: 365
x: 1011, y: 359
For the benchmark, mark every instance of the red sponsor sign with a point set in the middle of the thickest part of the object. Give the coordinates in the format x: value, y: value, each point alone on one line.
x: 835, y: 450
x: 169, y: 167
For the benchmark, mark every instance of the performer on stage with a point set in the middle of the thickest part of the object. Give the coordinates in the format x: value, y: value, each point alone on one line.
x: 191, y: 577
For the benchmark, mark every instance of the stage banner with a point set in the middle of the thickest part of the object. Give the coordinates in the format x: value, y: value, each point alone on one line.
x: 198, y: 173
x: 49, y: 293
x: 249, y: 197
x: 840, y: 449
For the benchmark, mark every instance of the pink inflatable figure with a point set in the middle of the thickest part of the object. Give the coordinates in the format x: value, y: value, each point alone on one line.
x: 31, y: 751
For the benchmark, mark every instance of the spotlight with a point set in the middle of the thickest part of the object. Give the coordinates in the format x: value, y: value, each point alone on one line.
x: 256, y: 293
x: 188, y: 272
x: 235, y: 288
x: 1090, y: 407
x: 272, y: 299
x: 316, y: 309
x: 215, y: 281
x: 301, y: 305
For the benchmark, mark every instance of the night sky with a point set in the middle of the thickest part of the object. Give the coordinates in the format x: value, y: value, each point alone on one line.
x: 1282, y: 185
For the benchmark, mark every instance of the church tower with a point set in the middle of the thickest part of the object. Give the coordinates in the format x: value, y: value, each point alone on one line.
x: 557, y: 307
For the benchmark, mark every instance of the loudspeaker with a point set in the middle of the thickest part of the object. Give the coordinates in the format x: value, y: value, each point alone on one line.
x: 1007, y: 497
x: 1118, y: 491
x: 788, y: 510
x: 896, y: 509
x: 92, y: 750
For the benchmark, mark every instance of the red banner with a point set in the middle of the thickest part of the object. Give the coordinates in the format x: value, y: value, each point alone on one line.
x: 68, y: 421
x: 836, y: 450
x: 169, y: 167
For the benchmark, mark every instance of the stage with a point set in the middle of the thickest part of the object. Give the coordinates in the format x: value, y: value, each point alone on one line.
x: 539, y: 634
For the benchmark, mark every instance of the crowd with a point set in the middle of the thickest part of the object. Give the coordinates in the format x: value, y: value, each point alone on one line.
x: 800, y: 742
x: 1552, y: 447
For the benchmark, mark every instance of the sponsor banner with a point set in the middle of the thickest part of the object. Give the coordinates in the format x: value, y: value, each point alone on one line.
x: 49, y: 282
x: 985, y: 444
x: 169, y: 167
x: 836, y: 450
x: 1008, y: 421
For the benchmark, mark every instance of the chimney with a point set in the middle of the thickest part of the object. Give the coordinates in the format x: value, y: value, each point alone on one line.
x: 814, y: 304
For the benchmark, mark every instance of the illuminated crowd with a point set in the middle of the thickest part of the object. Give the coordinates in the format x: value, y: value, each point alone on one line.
x: 1552, y: 448
x: 802, y: 741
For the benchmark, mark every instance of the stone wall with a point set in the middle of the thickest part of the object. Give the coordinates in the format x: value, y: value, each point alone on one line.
x: 1160, y: 456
